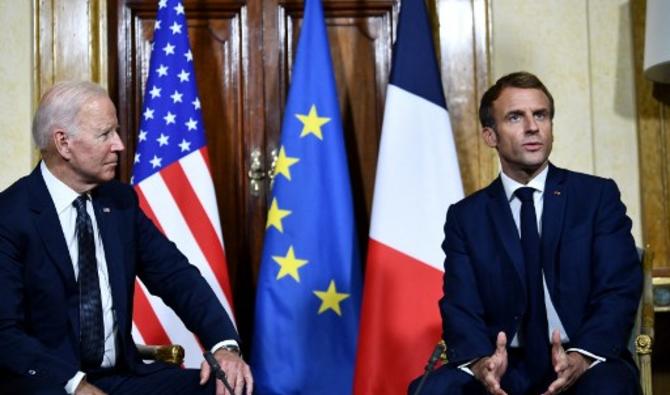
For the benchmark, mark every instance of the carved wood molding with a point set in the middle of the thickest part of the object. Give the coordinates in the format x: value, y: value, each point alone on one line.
x: 465, y: 48
x: 64, y: 48
x: 654, y: 148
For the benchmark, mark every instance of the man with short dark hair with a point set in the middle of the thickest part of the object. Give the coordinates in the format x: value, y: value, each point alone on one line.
x: 72, y: 242
x: 542, y: 279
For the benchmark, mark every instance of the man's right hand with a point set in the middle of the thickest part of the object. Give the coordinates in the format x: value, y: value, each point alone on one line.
x: 86, y: 388
x: 489, y: 370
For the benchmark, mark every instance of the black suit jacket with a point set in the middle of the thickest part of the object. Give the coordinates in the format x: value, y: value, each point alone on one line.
x: 39, y: 299
x: 590, y: 265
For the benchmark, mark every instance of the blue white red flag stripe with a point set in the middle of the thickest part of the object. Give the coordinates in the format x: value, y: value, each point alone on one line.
x: 173, y: 180
x: 151, y: 324
x: 417, y: 179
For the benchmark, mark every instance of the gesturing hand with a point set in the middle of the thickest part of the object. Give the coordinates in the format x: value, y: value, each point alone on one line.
x: 489, y: 370
x: 568, y: 366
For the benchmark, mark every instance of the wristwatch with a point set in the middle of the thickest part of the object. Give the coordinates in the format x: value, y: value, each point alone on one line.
x: 232, y: 348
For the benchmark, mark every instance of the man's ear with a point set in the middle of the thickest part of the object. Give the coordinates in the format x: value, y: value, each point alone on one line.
x: 62, y: 143
x: 490, y: 137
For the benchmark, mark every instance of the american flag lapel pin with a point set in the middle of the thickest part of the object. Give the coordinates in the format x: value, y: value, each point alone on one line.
x: 106, y: 210
x: 557, y: 193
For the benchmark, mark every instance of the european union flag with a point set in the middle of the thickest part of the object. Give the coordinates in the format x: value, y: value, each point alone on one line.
x: 309, y: 286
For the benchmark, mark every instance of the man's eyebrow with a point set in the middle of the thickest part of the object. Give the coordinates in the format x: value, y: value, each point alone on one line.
x: 513, y: 112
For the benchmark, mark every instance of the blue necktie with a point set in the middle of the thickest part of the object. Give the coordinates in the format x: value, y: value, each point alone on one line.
x: 90, y: 304
x: 535, y: 328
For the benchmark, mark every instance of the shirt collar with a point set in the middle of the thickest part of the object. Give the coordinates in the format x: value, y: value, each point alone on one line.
x: 61, y: 194
x: 510, y: 185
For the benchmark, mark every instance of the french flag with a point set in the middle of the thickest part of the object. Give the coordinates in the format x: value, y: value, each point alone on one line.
x: 417, y: 179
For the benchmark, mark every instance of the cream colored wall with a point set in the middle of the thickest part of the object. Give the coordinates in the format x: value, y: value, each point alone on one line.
x: 16, y: 93
x: 582, y: 51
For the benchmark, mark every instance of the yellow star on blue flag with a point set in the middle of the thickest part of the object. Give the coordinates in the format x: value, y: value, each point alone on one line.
x: 312, y: 123
x: 330, y: 299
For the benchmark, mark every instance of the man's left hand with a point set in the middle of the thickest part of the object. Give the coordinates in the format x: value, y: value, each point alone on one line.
x: 568, y: 366
x: 237, y: 372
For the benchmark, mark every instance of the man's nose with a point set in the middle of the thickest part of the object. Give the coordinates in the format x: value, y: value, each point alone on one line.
x: 117, y: 144
x: 531, y: 125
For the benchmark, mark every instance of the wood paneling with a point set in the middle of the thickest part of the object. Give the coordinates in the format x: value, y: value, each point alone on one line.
x: 70, y: 42
x: 464, y: 37
x: 243, y: 52
x: 653, y: 113
x: 653, y: 117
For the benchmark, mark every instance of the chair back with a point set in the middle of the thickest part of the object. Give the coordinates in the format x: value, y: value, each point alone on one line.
x: 642, y: 337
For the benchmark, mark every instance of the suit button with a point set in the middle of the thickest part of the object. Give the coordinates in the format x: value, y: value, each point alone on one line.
x: 32, y: 372
x: 516, y: 318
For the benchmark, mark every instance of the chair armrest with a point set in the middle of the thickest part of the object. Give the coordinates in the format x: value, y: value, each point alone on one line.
x: 443, y: 355
x: 172, y: 353
x: 643, y: 347
x: 644, y: 338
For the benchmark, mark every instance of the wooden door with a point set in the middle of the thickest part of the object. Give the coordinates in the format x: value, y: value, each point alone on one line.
x: 242, y: 54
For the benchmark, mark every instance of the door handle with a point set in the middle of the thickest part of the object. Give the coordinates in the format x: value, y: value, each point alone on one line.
x: 257, y: 173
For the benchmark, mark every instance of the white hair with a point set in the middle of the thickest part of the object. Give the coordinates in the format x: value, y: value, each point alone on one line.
x: 59, y: 108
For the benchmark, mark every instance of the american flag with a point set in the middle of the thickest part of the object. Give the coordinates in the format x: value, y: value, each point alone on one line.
x: 171, y: 175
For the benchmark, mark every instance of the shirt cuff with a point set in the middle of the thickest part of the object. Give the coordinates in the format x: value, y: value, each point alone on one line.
x: 224, y: 343
x: 466, y: 367
x: 596, y: 359
x: 73, y: 383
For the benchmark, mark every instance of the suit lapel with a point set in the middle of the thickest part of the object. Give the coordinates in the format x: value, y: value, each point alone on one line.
x: 49, y: 228
x: 107, y: 219
x: 501, y: 214
x: 552, y: 222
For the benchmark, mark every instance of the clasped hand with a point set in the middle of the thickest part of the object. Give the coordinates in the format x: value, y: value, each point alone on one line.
x: 568, y: 366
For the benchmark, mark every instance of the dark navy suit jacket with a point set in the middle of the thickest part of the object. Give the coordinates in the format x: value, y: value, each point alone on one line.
x: 589, y: 257
x: 39, y: 299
